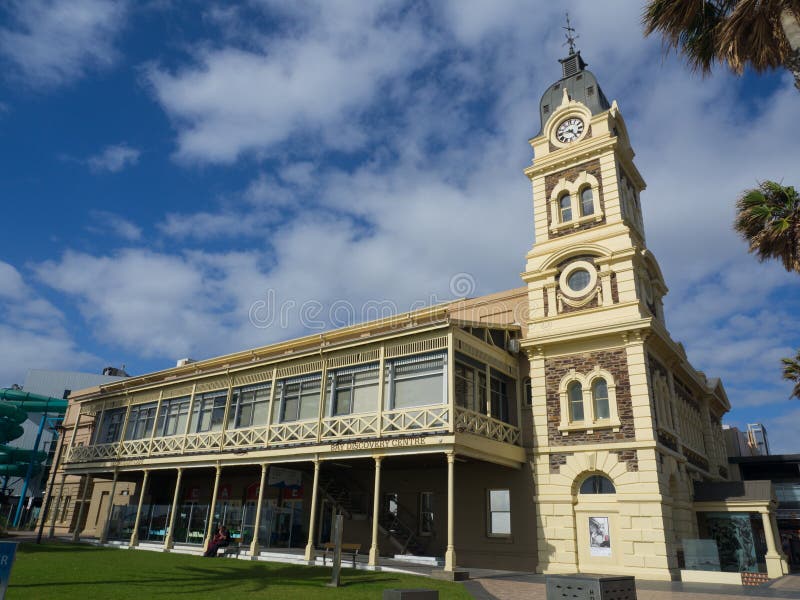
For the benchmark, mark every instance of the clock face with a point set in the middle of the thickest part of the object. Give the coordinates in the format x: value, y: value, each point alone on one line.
x: 570, y: 130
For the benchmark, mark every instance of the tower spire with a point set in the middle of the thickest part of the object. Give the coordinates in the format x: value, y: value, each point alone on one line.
x: 570, y: 35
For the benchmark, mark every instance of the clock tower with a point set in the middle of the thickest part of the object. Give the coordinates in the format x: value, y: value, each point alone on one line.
x: 623, y: 424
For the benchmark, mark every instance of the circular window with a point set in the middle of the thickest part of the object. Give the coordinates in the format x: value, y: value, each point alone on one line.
x: 577, y: 279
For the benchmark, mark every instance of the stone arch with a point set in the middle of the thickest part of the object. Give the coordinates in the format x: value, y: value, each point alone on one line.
x: 557, y: 258
x: 600, y: 462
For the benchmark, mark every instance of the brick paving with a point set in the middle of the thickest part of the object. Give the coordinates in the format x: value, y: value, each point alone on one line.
x: 532, y: 587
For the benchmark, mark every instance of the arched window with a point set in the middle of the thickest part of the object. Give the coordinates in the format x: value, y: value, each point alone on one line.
x: 565, y: 206
x: 600, y: 399
x: 528, y: 385
x: 597, y: 484
x: 575, y: 393
x: 587, y: 202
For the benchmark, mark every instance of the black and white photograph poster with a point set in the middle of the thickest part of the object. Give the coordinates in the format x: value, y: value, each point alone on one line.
x: 599, y: 538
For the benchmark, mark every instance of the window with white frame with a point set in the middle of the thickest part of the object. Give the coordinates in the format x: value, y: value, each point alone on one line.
x: 502, y: 395
x: 416, y: 381
x: 470, y: 387
x: 588, y: 401
x: 353, y: 390
x: 299, y: 398
x: 140, y: 421
x: 565, y: 208
x: 172, y: 417
x: 575, y: 393
x: 109, y: 426
x: 208, y: 412
x: 249, y: 406
x: 587, y: 202
x: 499, y: 513
x: 600, y: 398
x: 527, y: 385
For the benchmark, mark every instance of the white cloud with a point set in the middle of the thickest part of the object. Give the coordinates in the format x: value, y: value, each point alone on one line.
x: 232, y: 101
x: 114, y: 158
x: 54, y: 42
x: 154, y: 304
x: 33, y: 331
x: 107, y: 222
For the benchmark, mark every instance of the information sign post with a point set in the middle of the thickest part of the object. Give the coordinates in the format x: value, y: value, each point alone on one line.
x: 7, y: 552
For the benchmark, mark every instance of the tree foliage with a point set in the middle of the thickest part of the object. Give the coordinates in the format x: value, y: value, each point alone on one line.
x: 768, y: 218
x: 791, y: 371
x: 736, y: 32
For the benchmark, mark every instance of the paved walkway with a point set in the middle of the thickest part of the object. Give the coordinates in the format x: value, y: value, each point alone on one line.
x: 532, y: 587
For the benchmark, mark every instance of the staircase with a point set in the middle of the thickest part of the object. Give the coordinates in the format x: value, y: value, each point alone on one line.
x: 395, y: 527
x: 343, y: 492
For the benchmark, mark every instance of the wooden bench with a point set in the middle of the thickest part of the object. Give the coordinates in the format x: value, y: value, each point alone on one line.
x: 351, y: 549
x: 230, y: 550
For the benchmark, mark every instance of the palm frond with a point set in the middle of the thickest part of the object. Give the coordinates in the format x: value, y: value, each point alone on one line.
x: 689, y: 26
x: 791, y: 371
x: 768, y: 218
x: 753, y: 34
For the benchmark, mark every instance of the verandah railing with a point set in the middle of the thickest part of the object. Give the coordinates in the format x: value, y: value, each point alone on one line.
x: 418, y: 419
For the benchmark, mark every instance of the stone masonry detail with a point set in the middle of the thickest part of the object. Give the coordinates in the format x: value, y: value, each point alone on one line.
x: 591, y: 167
x: 615, y: 362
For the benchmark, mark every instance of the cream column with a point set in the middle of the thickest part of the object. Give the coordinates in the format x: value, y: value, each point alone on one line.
x: 776, y: 565
x: 381, y: 386
x: 169, y: 540
x: 450, y: 369
x: 254, y: 543
x: 450, y: 554
x: 135, y: 535
x: 76, y: 533
x: 74, y: 433
x: 109, y: 512
x: 313, y: 521
x: 52, y: 532
x: 374, y: 551
x: 212, y: 508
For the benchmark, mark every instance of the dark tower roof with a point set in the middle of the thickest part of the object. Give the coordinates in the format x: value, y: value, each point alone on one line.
x: 581, y: 86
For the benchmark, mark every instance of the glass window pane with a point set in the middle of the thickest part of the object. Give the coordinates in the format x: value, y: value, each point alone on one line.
x: 341, y: 404
x: 575, y: 393
x: 501, y: 523
x: 365, y: 398
x: 465, y: 386
x: 419, y: 391
x: 565, y: 205
x: 290, y: 409
x: 500, y: 500
x: 578, y: 280
x: 587, y: 202
x: 600, y: 393
x: 309, y: 404
x: 597, y: 484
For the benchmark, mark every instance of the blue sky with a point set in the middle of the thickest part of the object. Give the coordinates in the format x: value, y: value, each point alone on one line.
x: 167, y: 166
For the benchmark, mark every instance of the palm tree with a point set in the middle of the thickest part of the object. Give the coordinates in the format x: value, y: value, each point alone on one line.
x: 764, y: 34
x: 768, y: 218
x: 791, y: 371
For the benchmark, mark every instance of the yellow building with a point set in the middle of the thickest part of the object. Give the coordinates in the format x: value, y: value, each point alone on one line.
x: 556, y: 427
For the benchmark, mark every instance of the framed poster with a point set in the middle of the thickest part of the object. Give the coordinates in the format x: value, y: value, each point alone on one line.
x: 599, y: 537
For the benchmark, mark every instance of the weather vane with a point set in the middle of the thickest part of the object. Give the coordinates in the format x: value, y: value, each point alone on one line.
x: 570, y: 36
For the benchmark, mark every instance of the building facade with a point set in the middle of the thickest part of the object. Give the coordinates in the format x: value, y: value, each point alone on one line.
x: 556, y: 427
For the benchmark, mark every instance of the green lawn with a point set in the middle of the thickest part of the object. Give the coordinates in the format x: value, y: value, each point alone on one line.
x: 55, y: 571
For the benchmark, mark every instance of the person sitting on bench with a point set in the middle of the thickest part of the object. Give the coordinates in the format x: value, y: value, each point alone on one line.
x: 221, y: 539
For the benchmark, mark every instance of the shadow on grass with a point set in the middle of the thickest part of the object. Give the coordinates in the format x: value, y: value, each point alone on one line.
x: 180, y: 575
x: 52, y: 546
